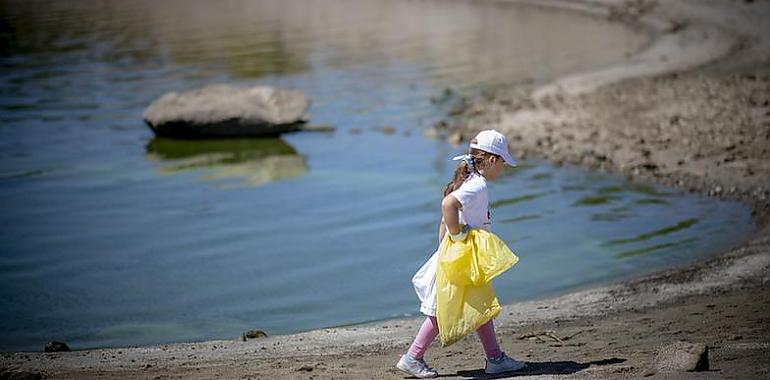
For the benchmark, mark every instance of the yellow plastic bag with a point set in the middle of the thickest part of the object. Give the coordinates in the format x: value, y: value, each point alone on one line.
x: 465, y: 299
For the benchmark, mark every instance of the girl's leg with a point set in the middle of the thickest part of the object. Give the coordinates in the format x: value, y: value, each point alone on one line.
x: 488, y: 339
x: 424, y: 337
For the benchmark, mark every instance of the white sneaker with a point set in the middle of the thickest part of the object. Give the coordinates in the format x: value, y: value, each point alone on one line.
x: 503, y: 363
x: 416, y: 368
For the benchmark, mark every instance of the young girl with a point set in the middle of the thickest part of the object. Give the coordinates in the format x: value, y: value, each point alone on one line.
x: 465, y: 206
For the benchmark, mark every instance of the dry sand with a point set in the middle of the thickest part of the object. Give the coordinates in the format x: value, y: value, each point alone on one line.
x: 690, y: 111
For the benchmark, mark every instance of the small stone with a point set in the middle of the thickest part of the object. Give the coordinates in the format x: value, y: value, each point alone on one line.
x: 624, y: 369
x: 388, y: 130
x: 649, y: 372
x: 441, y: 124
x: 682, y: 356
x: 455, y: 138
x: 252, y: 334
x: 54, y: 346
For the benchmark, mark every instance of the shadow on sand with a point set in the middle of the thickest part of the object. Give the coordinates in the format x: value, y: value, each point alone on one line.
x: 535, y: 368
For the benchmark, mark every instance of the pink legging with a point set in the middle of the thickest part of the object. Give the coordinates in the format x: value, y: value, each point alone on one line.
x: 429, y: 330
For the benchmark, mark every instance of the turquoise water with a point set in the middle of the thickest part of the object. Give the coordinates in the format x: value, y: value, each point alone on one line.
x: 112, y: 237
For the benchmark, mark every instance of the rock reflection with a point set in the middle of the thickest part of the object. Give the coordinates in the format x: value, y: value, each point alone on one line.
x: 251, y: 161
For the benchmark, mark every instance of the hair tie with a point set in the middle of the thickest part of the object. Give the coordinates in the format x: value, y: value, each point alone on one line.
x: 467, y: 158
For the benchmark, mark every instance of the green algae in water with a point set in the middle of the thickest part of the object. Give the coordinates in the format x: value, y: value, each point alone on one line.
x: 641, y: 251
x: 24, y: 174
x: 574, y: 188
x: 594, y: 200
x: 633, y: 188
x: 613, y: 215
x: 651, y: 201
x: 609, y: 194
x: 661, y: 232
x: 519, y: 199
x: 521, y: 218
x: 541, y: 176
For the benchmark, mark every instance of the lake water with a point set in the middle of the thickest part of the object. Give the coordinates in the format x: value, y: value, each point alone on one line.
x: 112, y: 237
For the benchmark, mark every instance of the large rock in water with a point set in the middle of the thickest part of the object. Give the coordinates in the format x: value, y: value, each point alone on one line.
x: 220, y: 111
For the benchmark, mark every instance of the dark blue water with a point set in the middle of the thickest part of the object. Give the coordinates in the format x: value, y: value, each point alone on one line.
x: 112, y: 237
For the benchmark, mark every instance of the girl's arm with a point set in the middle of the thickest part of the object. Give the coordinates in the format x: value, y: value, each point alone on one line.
x: 441, y: 231
x: 450, y: 208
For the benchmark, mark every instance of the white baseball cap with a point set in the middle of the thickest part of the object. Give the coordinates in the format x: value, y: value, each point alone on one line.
x: 494, y: 142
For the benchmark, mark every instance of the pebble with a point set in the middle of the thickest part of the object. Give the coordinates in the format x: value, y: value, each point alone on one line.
x: 681, y: 356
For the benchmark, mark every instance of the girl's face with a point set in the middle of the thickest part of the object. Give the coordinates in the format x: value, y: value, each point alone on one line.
x: 494, y: 168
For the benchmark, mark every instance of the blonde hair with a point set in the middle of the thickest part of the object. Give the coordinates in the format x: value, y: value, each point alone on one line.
x: 480, y: 160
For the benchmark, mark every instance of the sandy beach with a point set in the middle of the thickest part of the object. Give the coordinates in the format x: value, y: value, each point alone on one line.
x: 690, y: 111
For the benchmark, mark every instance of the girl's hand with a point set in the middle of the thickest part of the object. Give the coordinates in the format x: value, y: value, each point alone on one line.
x: 461, y: 235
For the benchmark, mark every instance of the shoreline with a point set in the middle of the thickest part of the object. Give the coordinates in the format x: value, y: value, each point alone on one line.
x: 571, y: 120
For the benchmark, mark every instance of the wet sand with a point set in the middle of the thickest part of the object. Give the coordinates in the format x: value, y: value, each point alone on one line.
x: 691, y: 111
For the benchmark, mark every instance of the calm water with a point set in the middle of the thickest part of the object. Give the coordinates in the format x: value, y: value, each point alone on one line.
x: 112, y: 237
